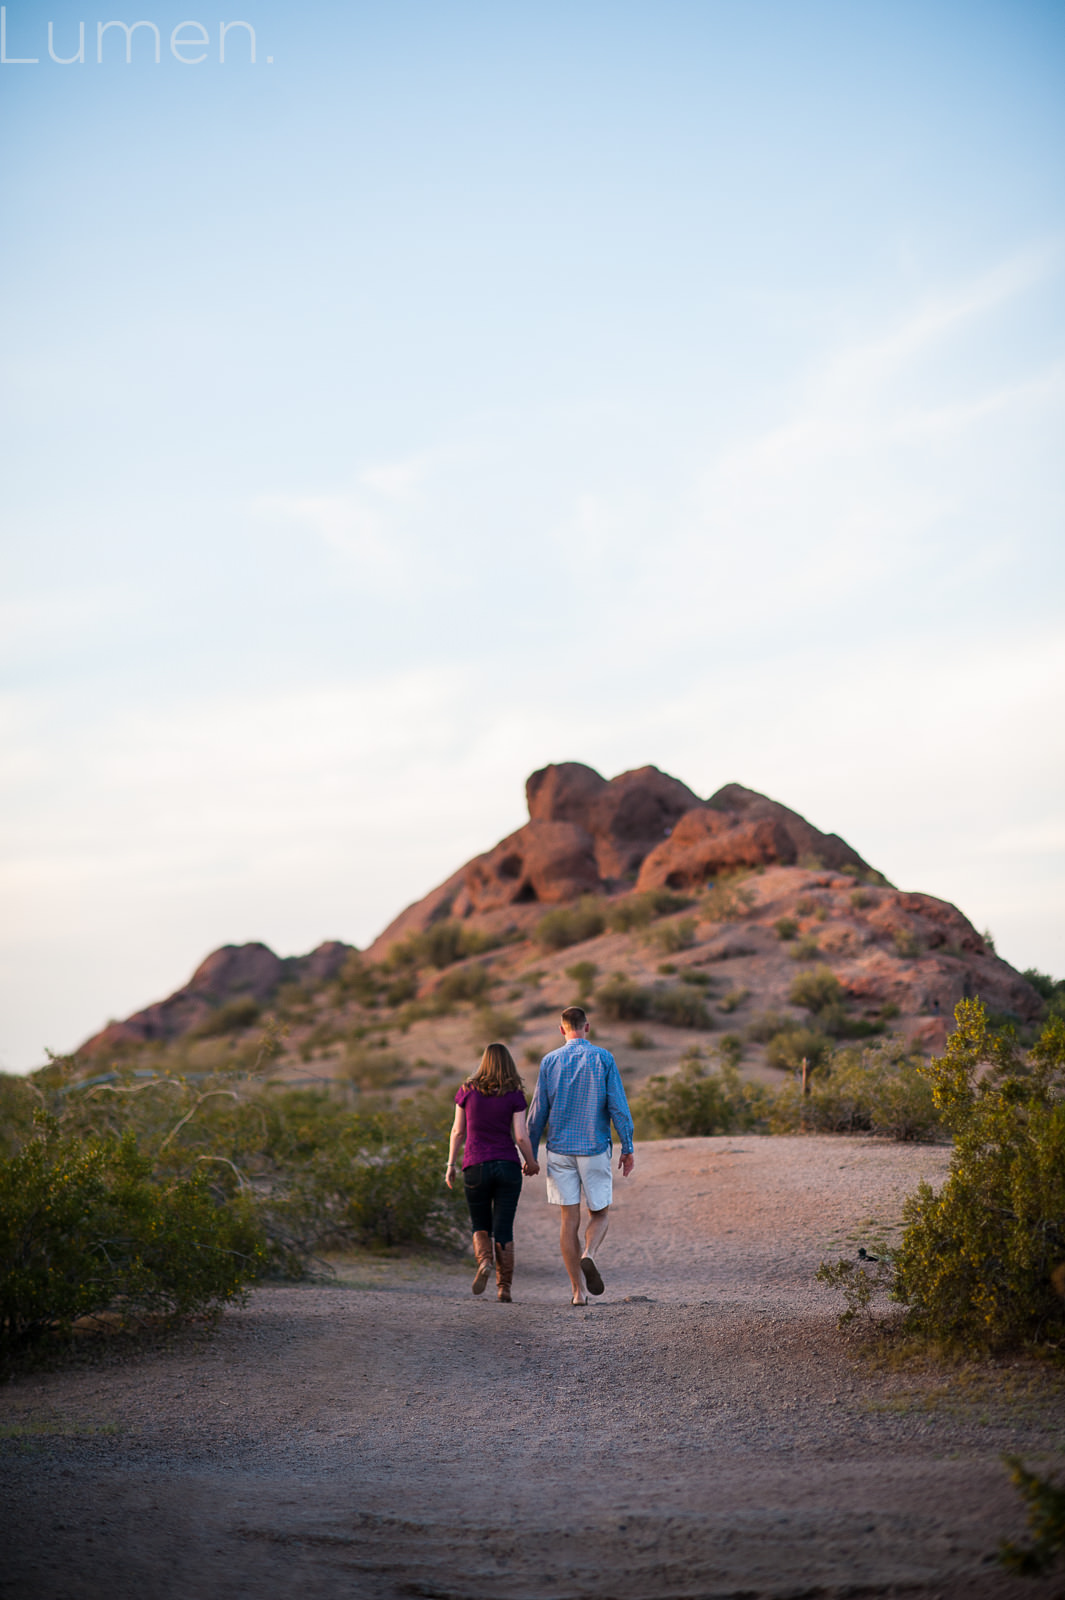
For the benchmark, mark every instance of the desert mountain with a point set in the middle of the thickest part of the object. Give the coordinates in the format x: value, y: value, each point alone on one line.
x: 742, y: 895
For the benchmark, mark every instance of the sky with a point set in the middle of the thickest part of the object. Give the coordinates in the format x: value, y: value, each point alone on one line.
x: 461, y: 387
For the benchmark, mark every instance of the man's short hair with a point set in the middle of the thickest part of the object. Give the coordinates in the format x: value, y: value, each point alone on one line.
x: 575, y: 1019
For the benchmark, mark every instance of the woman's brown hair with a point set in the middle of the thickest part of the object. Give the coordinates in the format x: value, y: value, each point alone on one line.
x: 497, y: 1073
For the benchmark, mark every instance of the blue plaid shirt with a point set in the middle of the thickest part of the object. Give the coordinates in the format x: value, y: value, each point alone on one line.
x: 577, y: 1096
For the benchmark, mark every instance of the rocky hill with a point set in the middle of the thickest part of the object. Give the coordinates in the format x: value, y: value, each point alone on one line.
x: 731, y: 925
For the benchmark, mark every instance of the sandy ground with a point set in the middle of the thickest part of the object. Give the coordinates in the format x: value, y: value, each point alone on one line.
x: 702, y: 1431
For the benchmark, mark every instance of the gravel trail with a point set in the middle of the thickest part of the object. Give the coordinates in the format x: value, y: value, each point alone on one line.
x: 702, y: 1432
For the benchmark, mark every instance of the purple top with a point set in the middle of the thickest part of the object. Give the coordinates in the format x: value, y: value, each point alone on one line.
x: 488, y: 1119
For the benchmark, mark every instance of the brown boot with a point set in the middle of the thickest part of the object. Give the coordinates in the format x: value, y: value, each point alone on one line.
x: 504, y: 1270
x: 482, y: 1249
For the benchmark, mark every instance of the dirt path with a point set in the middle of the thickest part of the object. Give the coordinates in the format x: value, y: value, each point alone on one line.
x: 700, y: 1432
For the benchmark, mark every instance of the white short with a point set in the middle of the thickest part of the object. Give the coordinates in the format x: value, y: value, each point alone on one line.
x: 568, y: 1175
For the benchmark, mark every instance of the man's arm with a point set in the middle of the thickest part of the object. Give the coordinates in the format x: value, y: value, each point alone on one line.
x: 539, y: 1111
x: 618, y: 1108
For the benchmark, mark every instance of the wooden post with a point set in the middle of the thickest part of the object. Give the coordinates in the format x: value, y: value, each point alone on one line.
x: 805, y: 1079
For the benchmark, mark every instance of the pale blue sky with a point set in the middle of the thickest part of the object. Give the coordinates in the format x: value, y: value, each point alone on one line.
x: 482, y: 385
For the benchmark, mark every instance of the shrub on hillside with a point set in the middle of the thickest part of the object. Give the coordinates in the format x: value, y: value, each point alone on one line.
x: 726, y: 901
x: 235, y: 1014
x: 84, y: 1229
x: 816, y: 989
x: 674, y: 936
x: 638, y: 910
x: 584, y: 975
x: 1053, y: 992
x: 878, y: 1090
x: 439, y: 945
x: 465, y: 983
x: 621, y: 1000
x: 683, y: 1007
x: 786, y: 927
x: 788, y: 1049
x: 980, y: 1261
x: 698, y: 1101
x: 568, y: 925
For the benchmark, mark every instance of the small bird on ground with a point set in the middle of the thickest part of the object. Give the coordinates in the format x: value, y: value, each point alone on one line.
x: 863, y: 1254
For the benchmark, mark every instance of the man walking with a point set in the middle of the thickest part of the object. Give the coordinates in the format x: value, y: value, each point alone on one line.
x: 578, y: 1094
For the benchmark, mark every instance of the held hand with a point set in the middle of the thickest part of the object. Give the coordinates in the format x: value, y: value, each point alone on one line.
x: 530, y: 1168
x: 626, y: 1164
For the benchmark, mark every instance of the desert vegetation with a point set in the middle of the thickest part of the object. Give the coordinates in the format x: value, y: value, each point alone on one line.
x: 162, y: 1196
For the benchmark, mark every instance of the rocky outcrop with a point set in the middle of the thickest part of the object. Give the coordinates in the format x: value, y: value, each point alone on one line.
x: 233, y: 972
x: 544, y: 861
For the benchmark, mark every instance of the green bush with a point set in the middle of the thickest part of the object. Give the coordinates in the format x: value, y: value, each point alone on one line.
x: 640, y: 1039
x: 786, y: 927
x: 905, y: 944
x: 805, y: 949
x: 239, y: 1013
x: 877, y: 1090
x: 698, y: 1101
x: 787, y: 1049
x: 815, y: 990
x: 733, y: 1000
x: 584, y: 975
x: 439, y: 945
x: 568, y: 925
x: 768, y: 1024
x: 84, y: 1229
x: 978, y: 1260
x: 467, y: 983
x: 674, y: 936
x: 637, y: 910
x: 699, y: 980
x: 621, y: 1000
x: 683, y: 1007
x: 491, y: 1024
x: 725, y: 901
x: 1046, y: 1523
x: 1052, y: 991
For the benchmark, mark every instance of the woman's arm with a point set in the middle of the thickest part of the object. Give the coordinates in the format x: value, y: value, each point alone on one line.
x: 519, y: 1133
x: 458, y: 1134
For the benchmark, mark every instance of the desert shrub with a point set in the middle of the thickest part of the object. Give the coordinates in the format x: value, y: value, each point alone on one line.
x: 84, y: 1229
x: 805, y: 949
x: 860, y: 899
x: 730, y: 1049
x: 733, y: 1000
x: 1053, y: 992
x: 640, y: 1039
x: 492, y: 1023
x: 568, y: 925
x: 905, y: 944
x: 878, y: 1090
x: 439, y: 945
x: 698, y: 980
x: 787, y: 1050
x: 1046, y: 1522
x: 374, y: 1070
x: 768, y: 1024
x: 978, y: 1260
x: 674, y: 936
x: 786, y: 927
x: 805, y: 906
x: 697, y: 1101
x: 368, y: 1178
x: 637, y: 910
x: 238, y: 1013
x: 19, y: 1100
x: 816, y: 990
x: 621, y: 1000
x: 726, y: 901
x: 584, y: 975
x: 359, y: 979
x: 682, y: 1007
x: 466, y: 983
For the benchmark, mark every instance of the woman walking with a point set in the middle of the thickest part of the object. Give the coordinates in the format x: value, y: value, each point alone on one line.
x: 490, y: 1117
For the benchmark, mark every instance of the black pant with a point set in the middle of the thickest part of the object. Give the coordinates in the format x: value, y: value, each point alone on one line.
x: 493, y: 1189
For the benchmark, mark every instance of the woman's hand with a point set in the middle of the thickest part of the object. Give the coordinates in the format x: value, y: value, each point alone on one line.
x: 449, y: 1175
x: 530, y: 1167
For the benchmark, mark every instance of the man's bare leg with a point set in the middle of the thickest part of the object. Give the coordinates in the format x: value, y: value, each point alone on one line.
x: 569, y: 1243
x: 598, y: 1223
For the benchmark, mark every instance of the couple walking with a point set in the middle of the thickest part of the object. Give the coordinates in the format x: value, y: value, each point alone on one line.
x: 578, y: 1095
